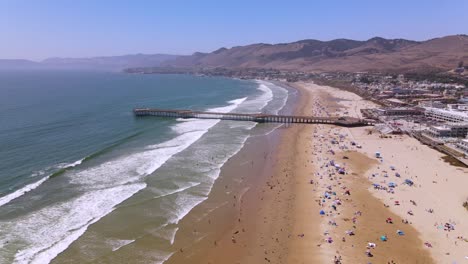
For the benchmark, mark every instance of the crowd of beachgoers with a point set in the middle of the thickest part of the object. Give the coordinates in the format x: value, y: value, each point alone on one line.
x: 344, y: 165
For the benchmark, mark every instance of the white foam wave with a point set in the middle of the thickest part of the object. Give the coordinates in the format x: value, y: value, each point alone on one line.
x: 10, y: 197
x: 117, y: 244
x: 167, y: 232
x: 183, y: 205
x: 190, y: 185
x: 70, y: 165
x: 70, y: 221
x: 256, y: 104
x: 20, y: 192
x: 233, y: 105
x: 270, y: 89
x: 159, y: 257
x: 267, y: 95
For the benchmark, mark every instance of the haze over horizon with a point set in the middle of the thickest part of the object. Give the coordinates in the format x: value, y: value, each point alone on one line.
x: 39, y: 30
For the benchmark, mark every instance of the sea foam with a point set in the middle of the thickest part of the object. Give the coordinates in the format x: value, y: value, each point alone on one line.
x: 20, y: 192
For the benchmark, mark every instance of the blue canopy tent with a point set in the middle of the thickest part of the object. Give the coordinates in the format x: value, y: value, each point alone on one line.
x: 409, y: 182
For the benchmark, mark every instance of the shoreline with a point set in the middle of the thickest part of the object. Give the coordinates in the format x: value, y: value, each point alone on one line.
x: 271, y: 216
x: 229, y: 228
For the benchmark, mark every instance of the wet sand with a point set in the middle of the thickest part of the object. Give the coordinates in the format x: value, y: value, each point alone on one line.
x: 255, y: 197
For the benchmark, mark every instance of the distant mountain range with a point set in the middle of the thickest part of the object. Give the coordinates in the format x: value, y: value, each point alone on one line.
x: 375, y: 54
x: 114, y: 63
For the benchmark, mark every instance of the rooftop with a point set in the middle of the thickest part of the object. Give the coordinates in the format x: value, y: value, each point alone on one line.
x: 450, y: 112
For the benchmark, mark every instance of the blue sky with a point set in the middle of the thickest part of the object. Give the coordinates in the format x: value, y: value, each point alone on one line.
x: 66, y: 28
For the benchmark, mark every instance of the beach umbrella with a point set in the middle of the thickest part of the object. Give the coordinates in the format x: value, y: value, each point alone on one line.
x: 383, y: 238
x: 400, y: 233
x: 322, y: 212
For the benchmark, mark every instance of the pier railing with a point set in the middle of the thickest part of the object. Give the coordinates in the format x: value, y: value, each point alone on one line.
x: 260, y: 118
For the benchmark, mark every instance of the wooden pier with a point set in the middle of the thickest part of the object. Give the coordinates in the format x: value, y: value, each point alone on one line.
x: 260, y: 118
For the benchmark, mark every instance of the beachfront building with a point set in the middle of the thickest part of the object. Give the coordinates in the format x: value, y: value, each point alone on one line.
x: 431, y: 103
x: 458, y: 107
x: 449, y: 130
x: 446, y: 115
x: 400, y: 111
x: 463, y: 145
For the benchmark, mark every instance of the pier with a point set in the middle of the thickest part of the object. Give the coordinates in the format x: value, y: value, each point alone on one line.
x: 259, y: 118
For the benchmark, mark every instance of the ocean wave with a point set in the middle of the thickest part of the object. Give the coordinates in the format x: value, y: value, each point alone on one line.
x: 267, y: 95
x: 10, y: 197
x: 112, y: 146
x: 117, y: 244
x: 20, y: 192
x: 70, y: 221
x: 279, y: 96
x: 167, y: 232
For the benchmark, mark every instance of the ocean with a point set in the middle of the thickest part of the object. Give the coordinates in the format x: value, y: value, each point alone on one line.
x: 77, y: 168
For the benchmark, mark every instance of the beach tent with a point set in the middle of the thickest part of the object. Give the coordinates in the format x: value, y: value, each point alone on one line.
x: 322, y: 212
x: 400, y: 233
x: 383, y: 238
x: 409, y: 182
x: 397, y: 174
x: 391, y: 185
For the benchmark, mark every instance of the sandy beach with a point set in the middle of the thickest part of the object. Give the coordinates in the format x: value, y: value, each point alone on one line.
x: 436, y: 228
x: 293, y: 205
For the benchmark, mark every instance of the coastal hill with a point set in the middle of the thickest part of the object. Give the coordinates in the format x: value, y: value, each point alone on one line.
x: 375, y: 54
x: 116, y: 63
x: 17, y: 64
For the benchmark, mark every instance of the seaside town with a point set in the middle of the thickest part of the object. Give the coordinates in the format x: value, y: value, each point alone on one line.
x: 430, y: 107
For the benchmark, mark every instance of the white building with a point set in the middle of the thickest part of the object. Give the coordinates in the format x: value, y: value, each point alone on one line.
x: 458, y: 107
x: 463, y: 145
x: 449, y: 130
x: 446, y: 115
x: 399, y: 111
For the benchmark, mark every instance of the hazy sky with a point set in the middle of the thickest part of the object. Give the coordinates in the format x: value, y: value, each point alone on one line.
x: 37, y: 29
